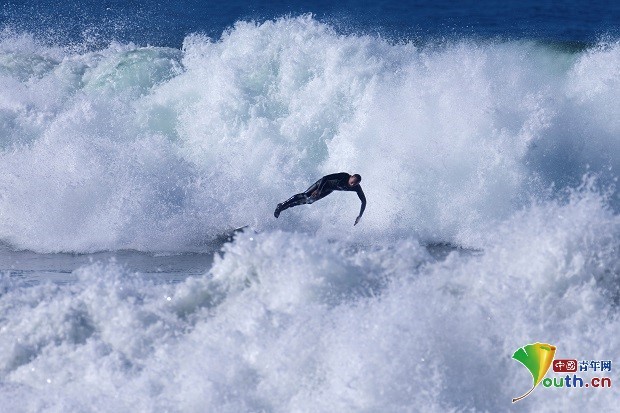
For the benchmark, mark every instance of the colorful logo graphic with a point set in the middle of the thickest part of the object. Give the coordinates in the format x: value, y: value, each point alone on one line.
x: 537, y: 358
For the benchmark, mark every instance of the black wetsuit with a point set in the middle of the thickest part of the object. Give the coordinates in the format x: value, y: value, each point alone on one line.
x: 323, y: 187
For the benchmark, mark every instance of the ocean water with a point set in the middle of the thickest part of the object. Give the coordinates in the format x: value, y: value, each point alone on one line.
x: 134, y: 138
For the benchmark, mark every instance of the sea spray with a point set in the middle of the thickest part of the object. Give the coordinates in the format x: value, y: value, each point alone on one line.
x: 501, y: 154
x: 154, y: 149
x: 283, y: 321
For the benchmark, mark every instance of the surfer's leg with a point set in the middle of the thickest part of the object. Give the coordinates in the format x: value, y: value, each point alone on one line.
x: 318, y: 196
x: 301, y: 199
x: 298, y: 199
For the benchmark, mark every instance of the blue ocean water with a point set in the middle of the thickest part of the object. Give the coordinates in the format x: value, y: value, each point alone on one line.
x: 134, y: 137
x: 166, y: 23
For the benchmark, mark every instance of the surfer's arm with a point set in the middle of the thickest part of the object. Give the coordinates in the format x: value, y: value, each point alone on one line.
x: 362, y: 197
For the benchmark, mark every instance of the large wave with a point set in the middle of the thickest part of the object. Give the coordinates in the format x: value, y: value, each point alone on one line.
x: 507, y: 147
x: 285, y: 322
x: 151, y: 148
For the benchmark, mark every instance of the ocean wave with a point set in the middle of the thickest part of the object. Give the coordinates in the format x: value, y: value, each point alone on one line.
x: 289, y: 322
x: 159, y: 149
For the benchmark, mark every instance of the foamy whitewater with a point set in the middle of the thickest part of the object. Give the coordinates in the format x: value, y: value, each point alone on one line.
x: 508, y: 150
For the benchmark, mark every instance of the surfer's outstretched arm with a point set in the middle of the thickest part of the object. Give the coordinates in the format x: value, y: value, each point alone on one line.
x: 362, y: 197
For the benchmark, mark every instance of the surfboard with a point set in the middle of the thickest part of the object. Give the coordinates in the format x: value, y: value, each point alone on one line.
x: 440, y: 250
x: 229, y: 235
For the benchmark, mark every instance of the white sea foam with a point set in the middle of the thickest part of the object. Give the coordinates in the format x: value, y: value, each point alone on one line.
x: 285, y: 322
x: 158, y: 149
x: 511, y: 148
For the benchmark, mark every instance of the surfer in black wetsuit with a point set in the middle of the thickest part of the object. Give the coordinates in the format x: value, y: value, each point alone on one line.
x: 323, y: 187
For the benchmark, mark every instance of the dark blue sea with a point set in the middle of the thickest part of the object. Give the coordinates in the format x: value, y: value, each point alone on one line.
x: 167, y: 23
x: 137, y: 138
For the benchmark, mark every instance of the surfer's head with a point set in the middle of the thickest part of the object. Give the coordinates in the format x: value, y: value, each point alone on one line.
x: 354, y: 179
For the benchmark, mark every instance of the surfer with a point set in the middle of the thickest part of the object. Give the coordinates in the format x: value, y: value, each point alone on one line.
x: 320, y: 189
